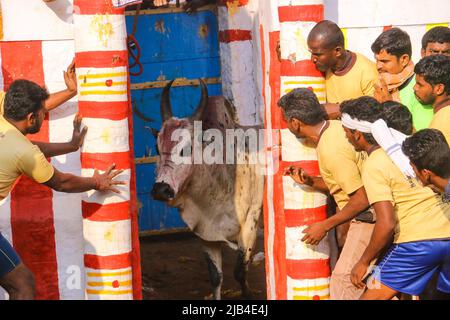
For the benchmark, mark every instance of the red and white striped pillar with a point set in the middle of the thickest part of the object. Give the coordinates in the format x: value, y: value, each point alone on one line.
x: 237, y: 49
x: 294, y: 270
x: 111, y: 248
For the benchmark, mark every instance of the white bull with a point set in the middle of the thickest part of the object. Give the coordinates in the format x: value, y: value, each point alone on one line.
x: 221, y: 203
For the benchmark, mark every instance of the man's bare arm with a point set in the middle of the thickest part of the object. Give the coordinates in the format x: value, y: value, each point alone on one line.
x: 381, y: 237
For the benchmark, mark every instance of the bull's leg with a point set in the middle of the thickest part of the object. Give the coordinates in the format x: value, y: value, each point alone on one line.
x: 248, y: 234
x: 213, y: 252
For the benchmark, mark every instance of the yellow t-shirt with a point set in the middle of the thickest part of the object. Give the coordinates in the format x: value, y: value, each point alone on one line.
x: 355, y: 83
x: 420, y: 214
x: 19, y: 156
x: 441, y: 121
x: 340, y: 165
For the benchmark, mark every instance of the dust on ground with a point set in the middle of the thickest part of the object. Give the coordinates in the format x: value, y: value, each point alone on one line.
x: 174, y: 267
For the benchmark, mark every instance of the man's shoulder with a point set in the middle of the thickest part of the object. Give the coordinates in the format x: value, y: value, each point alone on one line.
x: 363, y: 60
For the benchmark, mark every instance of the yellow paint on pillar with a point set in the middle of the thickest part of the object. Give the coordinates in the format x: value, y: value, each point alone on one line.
x: 432, y: 25
x: 105, y: 136
x: 102, y: 26
x: 344, y: 31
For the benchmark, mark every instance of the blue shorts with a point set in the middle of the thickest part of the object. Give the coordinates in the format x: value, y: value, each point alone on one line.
x: 408, y: 267
x: 8, y: 257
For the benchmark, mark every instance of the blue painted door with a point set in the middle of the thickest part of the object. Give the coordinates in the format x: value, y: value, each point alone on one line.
x: 173, y: 45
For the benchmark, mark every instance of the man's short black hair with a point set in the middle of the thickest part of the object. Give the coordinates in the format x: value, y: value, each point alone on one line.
x: 302, y: 104
x: 329, y: 32
x: 428, y: 149
x: 22, y: 98
x: 398, y: 117
x: 435, y: 69
x: 437, y: 34
x: 364, y: 109
x: 394, y: 41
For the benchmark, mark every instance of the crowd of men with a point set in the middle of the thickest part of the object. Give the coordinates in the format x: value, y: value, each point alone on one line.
x: 382, y: 146
x: 383, y: 153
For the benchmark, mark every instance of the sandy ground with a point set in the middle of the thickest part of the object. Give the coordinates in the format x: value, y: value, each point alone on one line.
x: 174, y: 267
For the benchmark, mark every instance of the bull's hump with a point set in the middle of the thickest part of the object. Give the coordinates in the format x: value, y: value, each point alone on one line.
x: 219, y: 114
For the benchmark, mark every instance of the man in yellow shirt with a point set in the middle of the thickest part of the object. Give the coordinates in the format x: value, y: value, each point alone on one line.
x: 56, y: 99
x: 433, y: 87
x: 429, y: 153
x: 414, y: 216
x: 24, y: 113
x: 340, y: 169
x: 348, y: 75
x: 393, y: 51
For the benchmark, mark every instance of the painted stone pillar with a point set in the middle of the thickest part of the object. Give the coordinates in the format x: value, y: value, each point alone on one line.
x: 294, y: 270
x: 111, y: 250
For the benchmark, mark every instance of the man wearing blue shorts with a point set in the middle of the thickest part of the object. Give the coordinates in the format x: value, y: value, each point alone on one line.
x: 411, y: 216
x: 24, y: 112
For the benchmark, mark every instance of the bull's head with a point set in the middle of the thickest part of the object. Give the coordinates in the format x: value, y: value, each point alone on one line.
x: 172, y: 175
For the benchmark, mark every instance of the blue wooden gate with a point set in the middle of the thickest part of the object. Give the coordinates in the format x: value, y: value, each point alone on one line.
x: 173, y: 45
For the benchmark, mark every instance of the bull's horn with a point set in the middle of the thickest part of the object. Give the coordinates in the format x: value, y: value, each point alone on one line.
x: 166, y: 108
x: 203, y: 101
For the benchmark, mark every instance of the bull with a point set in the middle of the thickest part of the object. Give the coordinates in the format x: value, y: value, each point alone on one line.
x: 220, y: 202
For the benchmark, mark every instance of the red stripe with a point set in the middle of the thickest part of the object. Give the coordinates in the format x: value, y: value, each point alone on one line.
x: 229, y: 3
x: 301, y: 13
x: 308, y: 269
x: 385, y: 28
x: 117, y: 110
x: 297, y: 218
x: 32, y: 219
x: 118, y: 261
x: 96, y: 7
x: 102, y: 59
x: 227, y: 36
x: 136, y: 251
x: 310, y: 166
x: 107, y: 212
x: 279, y: 250
x: 102, y: 161
x: 301, y: 68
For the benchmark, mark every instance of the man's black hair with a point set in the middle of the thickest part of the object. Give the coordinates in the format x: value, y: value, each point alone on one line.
x: 398, y: 117
x: 302, y: 104
x: 394, y: 41
x: 330, y: 34
x: 428, y: 149
x: 437, y: 34
x: 22, y: 98
x: 364, y: 109
x: 435, y: 69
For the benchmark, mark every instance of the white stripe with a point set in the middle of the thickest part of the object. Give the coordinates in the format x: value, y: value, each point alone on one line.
x: 5, y: 229
x: 293, y: 150
x: 100, y: 32
x: 25, y: 20
x: 298, y: 250
x: 238, y: 82
x: 99, y: 77
x: 106, y: 136
x: 293, y: 44
x: 107, y: 238
x: 108, y: 197
x: 298, y: 196
x: 68, y: 223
